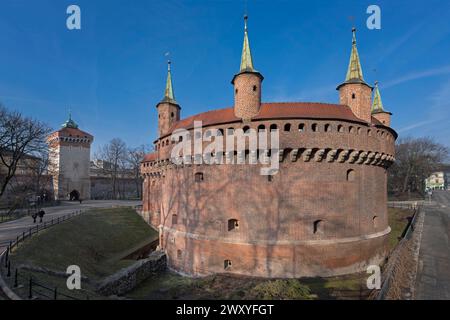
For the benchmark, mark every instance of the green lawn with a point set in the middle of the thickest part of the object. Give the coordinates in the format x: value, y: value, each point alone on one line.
x: 168, y: 286
x: 96, y: 241
x: 398, y: 221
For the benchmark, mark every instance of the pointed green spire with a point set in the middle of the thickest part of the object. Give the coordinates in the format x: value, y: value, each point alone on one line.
x: 354, y: 68
x: 168, y: 93
x: 377, y: 104
x: 246, y: 60
x: 70, y: 123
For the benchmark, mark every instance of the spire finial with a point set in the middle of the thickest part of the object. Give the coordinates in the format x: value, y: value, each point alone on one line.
x: 70, y: 123
x: 377, y: 104
x: 168, y: 93
x: 354, y: 72
x: 246, y: 60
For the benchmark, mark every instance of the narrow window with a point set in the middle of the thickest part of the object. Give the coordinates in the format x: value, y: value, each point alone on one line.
x: 233, y: 224
x: 353, y: 96
x: 230, y: 131
x: 318, y: 227
x: 369, y: 132
x: 261, y: 128
x: 351, y: 129
x: 350, y: 175
x: 220, y: 132
x: 174, y: 219
x: 246, y: 129
x: 314, y: 127
x: 301, y: 127
x: 172, y: 115
x: 254, y: 88
x: 340, y: 128
x: 375, y: 221
x: 227, y: 264
x: 273, y: 127
x: 327, y: 128
x: 270, y: 178
x: 199, y: 177
x: 236, y: 91
x: 179, y: 254
x: 359, y: 130
x: 287, y: 127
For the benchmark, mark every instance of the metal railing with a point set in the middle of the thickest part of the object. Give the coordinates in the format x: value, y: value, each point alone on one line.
x: 35, y: 288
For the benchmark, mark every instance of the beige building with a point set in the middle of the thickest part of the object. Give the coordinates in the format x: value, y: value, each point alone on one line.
x: 439, y: 180
x: 69, y: 162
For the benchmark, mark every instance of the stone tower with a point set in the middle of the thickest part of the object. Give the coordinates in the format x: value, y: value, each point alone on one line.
x: 247, y: 84
x: 378, y: 111
x: 69, y: 162
x: 355, y: 92
x: 168, y: 108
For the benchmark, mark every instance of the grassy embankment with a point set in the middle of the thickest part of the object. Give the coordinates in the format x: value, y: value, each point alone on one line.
x: 398, y: 221
x: 96, y: 241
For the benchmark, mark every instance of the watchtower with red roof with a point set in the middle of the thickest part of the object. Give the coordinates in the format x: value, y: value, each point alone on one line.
x: 69, y: 161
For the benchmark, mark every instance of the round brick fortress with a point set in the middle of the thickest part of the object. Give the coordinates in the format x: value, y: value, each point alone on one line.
x: 324, y: 213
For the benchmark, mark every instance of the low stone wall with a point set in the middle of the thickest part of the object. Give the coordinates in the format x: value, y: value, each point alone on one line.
x: 127, y: 279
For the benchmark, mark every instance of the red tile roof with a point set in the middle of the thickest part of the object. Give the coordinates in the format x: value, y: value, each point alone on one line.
x: 73, y: 132
x: 150, y: 157
x: 282, y: 110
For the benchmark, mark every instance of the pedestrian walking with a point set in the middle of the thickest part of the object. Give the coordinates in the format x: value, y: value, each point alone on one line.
x: 41, y: 215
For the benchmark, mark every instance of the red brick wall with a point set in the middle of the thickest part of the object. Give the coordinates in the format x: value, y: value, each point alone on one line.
x: 247, y: 95
x: 359, y: 98
x: 276, y: 235
x: 383, y: 117
x: 168, y: 114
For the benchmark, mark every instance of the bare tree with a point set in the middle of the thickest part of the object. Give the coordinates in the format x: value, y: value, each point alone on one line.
x: 416, y: 159
x: 19, y: 137
x: 135, y: 157
x: 114, y: 157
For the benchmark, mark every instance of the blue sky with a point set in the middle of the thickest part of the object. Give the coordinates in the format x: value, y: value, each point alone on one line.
x: 111, y: 73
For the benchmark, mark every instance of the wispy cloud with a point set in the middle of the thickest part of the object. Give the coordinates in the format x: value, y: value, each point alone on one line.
x: 394, y: 46
x: 418, y: 75
x: 438, y: 115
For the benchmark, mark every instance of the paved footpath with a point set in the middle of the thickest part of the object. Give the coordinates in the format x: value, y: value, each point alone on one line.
x: 433, y: 277
x: 10, y: 230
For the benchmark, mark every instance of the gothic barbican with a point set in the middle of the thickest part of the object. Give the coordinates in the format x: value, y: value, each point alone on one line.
x: 324, y: 213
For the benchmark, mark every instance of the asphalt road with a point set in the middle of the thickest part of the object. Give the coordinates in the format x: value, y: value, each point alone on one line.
x: 10, y: 230
x: 433, y: 278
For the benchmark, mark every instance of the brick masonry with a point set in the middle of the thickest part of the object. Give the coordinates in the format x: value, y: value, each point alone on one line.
x: 323, y: 214
x: 127, y: 279
x: 247, y: 95
x: 358, y: 97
